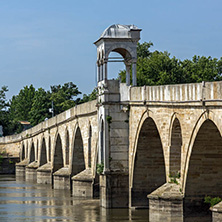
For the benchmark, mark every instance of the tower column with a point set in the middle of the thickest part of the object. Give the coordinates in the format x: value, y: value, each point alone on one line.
x: 106, y: 143
x: 105, y: 69
x: 127, y: 74
x: 134, y: 74
x: 101, y: 71
x: 98, y: 72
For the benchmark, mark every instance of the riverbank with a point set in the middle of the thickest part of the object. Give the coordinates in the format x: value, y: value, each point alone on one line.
x: 7, y: 164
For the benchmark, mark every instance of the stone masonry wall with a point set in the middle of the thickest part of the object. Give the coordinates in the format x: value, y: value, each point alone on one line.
x: 84, y: 115
x: 191, y: 104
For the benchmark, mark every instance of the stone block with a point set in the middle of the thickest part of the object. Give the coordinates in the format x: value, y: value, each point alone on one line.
x: 20, y: 171
x: 166, y: 203
x: 44, y: 174
x: 121, y: 116
x: 113, y: 97
x: 162, y: 210
x: 62, y: 179
x: 83, y: 184
x: 119, y: 124
x: 61, y: 182
x: 82, y: 189
x: 119, y: 133
x: 44, y: 177
x: 118, y: 141
x: 114, y: 189
x: 20, y: 168
x: 31, y: 175
x: 119, y: 148
x: 217, y: 212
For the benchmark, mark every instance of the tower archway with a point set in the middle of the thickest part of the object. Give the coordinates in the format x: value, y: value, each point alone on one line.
x: 121, y: 39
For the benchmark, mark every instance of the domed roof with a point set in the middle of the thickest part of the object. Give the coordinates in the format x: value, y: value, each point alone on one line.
x: 118, y: 31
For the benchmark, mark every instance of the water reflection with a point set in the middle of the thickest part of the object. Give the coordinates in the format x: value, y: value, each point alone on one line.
x: 24, y: 201
x: 202, y: 217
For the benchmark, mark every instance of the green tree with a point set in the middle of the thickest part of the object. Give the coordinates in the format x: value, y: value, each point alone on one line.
x: 3, y: 101
x: 158, y: 68
x: 19, y: 109
x: 21, y: 104
x: 33, y: 105
x: 63, y: 96
x: 89, y: 97
x: 3, y: 108
x: 143, y: 53
x: 202, y: 69
x: 40, y: 107
x: 143, y: 50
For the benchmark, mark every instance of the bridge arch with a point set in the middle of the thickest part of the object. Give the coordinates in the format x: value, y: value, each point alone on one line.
x: 96, y: 158
x: 175, y: 146
x: 89, y: 146
x: 22, y: 155
x: 67, y: 146
x: 148, y: 164
x: 32, y: 152
x: 37, y: 149
x: 204, y: 162
x: 78, y: 161
x: 49, y: 148
x: 57, y: 161
x: 42, y: 152
x: 26, y: 149
x: 203, y: 117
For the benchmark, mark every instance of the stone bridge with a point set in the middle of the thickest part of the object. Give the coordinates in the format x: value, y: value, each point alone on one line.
x: 155, y: 146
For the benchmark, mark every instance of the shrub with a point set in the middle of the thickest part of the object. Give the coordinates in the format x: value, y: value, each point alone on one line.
x: 99, y: 168
x: 212, y: 200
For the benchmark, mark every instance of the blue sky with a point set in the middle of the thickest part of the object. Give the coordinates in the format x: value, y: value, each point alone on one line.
x: 50, y: 42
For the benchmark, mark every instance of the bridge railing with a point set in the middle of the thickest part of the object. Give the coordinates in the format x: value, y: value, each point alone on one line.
x: 204, y: 91
x: 87, y: 108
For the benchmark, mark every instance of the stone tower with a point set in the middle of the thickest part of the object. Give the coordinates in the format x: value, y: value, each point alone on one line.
x: 113, y: 113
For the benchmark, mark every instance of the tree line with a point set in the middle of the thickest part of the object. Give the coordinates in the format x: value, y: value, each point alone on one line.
x: 34, y: 105
x: 159, y: 68
x: 153, y: 68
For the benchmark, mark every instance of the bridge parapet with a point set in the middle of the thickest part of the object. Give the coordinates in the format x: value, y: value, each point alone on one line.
x: 193, y: 92
x: 12, y: 144
x: 75, y: 112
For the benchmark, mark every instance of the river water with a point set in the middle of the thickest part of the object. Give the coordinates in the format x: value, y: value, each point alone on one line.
x: 24, y: 201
